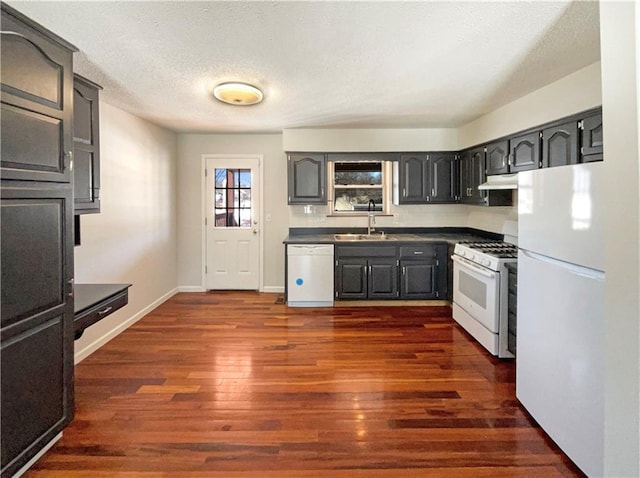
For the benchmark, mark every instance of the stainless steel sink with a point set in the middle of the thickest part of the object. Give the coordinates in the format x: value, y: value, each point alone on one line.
x: 363, y: 237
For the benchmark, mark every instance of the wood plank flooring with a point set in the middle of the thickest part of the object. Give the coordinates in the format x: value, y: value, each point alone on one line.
x: 230, y: 384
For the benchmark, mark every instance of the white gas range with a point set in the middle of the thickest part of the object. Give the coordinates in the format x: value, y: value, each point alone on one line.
x: 480, y: 292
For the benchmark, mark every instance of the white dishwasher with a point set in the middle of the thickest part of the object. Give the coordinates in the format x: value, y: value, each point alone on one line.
x: 310, y: 275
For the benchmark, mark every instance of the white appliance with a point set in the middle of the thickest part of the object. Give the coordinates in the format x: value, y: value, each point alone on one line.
x: 560, y: 341
x: 310, y: 275
x: 480, y: 292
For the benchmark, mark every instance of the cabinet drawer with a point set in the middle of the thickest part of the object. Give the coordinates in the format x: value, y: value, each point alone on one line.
x: 99, y: 311
x: 365, y: 251
x: 416, y: 252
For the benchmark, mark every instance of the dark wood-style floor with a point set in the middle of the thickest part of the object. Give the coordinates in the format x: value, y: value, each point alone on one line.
x: 231, y: 384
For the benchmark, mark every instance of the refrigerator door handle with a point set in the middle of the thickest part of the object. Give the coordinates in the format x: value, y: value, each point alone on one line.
x: 576, y: 269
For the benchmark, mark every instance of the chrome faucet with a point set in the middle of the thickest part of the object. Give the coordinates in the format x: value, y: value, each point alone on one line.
x: 371, y: 218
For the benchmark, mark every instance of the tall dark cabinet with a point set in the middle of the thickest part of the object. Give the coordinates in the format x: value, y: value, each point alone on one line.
x: 36, y: 209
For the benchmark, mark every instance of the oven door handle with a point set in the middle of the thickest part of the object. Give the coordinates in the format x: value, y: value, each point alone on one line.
x: 467, y: 263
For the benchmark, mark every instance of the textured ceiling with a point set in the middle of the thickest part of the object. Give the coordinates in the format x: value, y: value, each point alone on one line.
x: 364, y: 64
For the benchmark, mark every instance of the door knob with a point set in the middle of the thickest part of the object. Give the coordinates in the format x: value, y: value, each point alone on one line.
x: 255, y: 231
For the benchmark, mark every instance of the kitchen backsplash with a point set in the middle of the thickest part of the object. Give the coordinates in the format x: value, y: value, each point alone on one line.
x: 491, y: 219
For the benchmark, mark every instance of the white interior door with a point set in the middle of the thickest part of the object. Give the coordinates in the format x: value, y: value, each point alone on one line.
x: 232, y: 223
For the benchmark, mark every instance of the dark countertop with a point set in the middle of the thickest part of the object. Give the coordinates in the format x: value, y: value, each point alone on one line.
x: 94, y: 302
x: 399, y: 238
x: 88, y: 295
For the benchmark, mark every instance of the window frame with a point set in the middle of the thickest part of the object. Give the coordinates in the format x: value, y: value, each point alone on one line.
x: 386, y: 186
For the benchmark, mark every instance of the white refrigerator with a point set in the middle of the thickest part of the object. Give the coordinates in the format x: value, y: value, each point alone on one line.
x: 560, y: 335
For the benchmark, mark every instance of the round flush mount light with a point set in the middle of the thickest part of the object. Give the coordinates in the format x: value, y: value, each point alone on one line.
x: 237, y: 93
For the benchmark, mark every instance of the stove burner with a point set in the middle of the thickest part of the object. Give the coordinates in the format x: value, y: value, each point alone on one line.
x: 501, y: 250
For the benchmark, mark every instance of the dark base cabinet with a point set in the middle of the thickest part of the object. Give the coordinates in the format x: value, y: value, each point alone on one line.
x: 423, y: 271
x: 35, y: 404
x: 383, y: 279
x: 351, y: 279
x: 512, y: 307
x: 391, y: 272
x: 366, y: 272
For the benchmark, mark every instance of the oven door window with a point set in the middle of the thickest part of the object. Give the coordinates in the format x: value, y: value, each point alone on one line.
x: 473, y: 288
x: 478, y: 293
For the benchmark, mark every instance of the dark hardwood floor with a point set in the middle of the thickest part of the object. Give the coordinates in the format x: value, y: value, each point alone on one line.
x: 230, y: 384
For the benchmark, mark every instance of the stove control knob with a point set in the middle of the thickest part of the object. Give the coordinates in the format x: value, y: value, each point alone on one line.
x: 472, y: 256
x: 486, y: 262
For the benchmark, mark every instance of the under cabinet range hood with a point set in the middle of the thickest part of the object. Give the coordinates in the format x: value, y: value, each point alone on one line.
x: 500, y: 181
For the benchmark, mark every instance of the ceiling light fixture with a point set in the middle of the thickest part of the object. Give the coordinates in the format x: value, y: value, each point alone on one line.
x: 237, y: 93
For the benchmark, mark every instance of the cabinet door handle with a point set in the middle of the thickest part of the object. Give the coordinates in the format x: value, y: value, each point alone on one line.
x: 104, y: 311
x: 404, y: 270
x: 417, y: 253
x: 69, y: 161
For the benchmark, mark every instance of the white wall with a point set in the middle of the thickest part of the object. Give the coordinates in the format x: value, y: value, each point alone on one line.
x: 574, y: 93
x: 191, y: 147
x: 133, y: 239
x: 620, y: 51
x: 370, y: 140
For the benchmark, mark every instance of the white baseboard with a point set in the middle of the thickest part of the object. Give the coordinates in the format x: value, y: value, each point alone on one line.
x: 37, y: 456
x: 273, y: 289
x: 191, y: 288
x: 80, y: 355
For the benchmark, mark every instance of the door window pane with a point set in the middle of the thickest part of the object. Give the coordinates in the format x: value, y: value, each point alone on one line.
x: 232, y: 197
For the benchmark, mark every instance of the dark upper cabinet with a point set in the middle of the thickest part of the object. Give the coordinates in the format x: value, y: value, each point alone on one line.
x: 36, y: 100
x: 472, y: 174
x: 36, y: 239
x: 512, y: 308
x: 414, y: 178
x: 443, y: 177
x: 524, y: 152
x: 307, y: 178
x: 591, y: 138
x: 497, y: 156
x: 86, y: 146
x: 560, y: 145
x: 428, y: 178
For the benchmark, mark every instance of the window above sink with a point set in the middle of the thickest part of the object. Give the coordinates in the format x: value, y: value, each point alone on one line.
x: 353, y: 184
